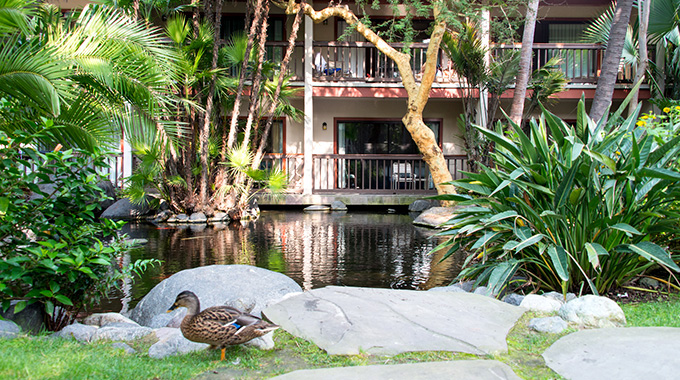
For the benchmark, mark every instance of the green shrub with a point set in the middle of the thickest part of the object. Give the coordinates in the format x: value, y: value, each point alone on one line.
x: 569, y: 207
x: 53, y: 250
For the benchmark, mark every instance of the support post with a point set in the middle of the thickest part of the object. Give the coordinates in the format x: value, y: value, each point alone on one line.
x: 308, y: 133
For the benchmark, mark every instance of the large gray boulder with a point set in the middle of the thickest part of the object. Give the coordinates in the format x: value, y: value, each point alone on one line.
x: 434, y: 217
x: 245, y: 287
x: 593, y: 312
x: 617, y: 353
x: 123, y: 209
x: 347, y: 321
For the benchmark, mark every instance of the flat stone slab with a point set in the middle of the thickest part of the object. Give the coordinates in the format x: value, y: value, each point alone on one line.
x: 459, y: 369
x: 348, y: 320
x: 617, y: 353
x: 434, y: 217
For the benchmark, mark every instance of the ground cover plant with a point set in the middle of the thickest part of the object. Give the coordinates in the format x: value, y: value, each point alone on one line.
x: 53, y: 249
x: 570, y: 208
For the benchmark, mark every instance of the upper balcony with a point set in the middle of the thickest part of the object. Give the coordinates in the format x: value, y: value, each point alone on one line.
x: 361, y: 62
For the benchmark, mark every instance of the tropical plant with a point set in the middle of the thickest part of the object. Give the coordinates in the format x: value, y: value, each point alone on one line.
x: 568, y: 207
x: 175, y: 174
x: 664, y: 29
x: 53, y: 250
x: 467, y: 54
x: 546, y: 81
x: 95, y: 73
x: 611, y: 61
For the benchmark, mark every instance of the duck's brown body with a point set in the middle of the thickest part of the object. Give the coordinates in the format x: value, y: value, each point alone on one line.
x: 219, y: 326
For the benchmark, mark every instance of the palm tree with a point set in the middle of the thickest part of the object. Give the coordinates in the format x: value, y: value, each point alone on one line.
x: 88, y: 77
x: 517, y: 109
x: 612, y: 58
x: 467, y: 55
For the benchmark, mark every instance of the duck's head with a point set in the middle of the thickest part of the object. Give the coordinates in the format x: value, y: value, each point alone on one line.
x: 185, y: 299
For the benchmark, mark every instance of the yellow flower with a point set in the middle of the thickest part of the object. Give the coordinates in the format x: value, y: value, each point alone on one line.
x: 677, y: 108
x: 641, y: 123
x: 645, y: 117
x: 653, y: 117
x: 667, y: 109
x: 618, y: 153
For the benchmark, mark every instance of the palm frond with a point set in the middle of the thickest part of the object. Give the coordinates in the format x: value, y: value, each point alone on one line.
x: 15, y: 14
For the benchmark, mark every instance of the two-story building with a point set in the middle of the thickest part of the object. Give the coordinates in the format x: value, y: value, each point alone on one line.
x: 351, y: 144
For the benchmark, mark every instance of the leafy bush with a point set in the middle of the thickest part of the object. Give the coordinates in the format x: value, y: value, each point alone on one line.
x: 569, y: 207
x: 52, y: 248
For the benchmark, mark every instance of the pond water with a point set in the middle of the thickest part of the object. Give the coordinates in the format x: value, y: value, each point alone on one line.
x: 315, y: 249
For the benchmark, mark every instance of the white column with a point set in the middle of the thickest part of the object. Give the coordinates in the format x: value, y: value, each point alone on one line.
x: 127, y: 159
x: 483, y: 105
x: 308, y: 135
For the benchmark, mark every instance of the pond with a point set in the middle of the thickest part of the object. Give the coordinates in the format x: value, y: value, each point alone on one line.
x: 315, y: 249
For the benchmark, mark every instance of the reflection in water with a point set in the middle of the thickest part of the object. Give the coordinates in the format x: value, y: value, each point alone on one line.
x: 314, y: 249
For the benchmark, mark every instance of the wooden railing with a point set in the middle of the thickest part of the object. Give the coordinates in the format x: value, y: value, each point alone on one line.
x: 336, y: 61
x: 291, y: 164
x: 402, y: 173
x: 113, y: 172
x: 338, y: 173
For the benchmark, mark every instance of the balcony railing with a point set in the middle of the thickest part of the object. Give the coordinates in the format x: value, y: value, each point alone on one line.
x: 361, y: 62
x: 365, y: 173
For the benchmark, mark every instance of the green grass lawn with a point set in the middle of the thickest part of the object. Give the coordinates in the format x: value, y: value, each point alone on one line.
x: 657, y: 313
x: 44, y: 358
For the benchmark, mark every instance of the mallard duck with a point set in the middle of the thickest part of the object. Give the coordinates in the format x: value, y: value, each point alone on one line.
x: 219, y: 326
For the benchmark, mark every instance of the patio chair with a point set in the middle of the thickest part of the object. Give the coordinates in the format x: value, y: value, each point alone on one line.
x: 402, y: 173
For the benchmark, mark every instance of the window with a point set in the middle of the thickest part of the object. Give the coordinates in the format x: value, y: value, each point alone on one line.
x: 378, y: 137
x: 275, y: 140
x: 232, y: 24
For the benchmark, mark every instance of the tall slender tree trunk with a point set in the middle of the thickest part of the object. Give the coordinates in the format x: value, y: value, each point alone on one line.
x: 517, y: 109
x: 611, y: 61
x: 275, y: 99
x: 643, y: 19
x: 283, y: 69
x: 205, y: 127
x: 233, y: 127
x: 253, y: 114
x: 135, y: 9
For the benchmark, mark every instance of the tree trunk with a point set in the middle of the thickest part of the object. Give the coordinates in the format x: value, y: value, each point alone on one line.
x: 257, y: 159
x: 611, y: 61
x: 229, y: 143
x: 135, y: 9
x: 643, y: 17
x: 205, y: 127
x: 253, y: 114
x: 517, y: 109
x: 418, y: 94
x: 275, y: 99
